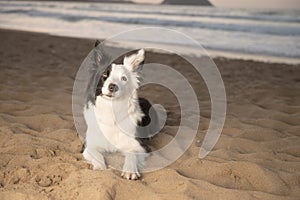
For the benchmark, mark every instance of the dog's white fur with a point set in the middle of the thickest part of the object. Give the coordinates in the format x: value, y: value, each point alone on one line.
x: 112, y: 121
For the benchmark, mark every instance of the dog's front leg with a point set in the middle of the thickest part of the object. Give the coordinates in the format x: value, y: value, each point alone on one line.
x: 132, y: 165
x: 134, y: 159
x: 130, y: 168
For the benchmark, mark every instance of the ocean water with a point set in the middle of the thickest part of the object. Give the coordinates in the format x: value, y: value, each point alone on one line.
x: 256, y: 34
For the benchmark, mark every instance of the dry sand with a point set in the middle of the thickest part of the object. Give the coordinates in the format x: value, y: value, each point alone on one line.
x: 256, y: 157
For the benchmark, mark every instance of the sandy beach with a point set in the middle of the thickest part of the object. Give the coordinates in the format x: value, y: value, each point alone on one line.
x: 256, y: 157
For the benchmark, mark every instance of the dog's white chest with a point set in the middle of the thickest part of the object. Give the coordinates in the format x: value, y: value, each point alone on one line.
x: 115, y: 123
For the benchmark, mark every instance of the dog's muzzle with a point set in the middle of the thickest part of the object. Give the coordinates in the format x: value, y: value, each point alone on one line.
x: 113, y: 87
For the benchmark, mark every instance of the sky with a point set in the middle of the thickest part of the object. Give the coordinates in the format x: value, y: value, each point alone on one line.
x: 272, y: 4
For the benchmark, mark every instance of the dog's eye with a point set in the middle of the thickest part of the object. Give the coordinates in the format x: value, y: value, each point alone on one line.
x: 123, y: 78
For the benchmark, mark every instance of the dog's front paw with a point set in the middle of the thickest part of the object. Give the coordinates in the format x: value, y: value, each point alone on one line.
x: 95, y: 158
x: 98, y: 165
x: 130, y: 175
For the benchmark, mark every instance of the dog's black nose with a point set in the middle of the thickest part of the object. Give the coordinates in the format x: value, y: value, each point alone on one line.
x: 112, y: 87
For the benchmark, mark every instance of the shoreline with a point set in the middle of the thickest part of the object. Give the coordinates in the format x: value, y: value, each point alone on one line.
x: 212, y: 53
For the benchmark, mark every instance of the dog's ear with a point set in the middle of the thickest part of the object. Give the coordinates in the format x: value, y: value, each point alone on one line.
x: 96, y: 43
x: 134, y: 61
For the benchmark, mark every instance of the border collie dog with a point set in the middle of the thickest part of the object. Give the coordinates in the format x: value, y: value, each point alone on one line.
x: 113, y: 112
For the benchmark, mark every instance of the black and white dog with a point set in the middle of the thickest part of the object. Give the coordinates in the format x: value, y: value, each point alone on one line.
x: 113, y: 113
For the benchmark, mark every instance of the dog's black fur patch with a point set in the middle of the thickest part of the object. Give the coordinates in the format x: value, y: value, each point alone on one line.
x: 99, y: 59
x: 101, y: 81
x: 146, y: 134
x: 145, y: 107
x: 97, y: 43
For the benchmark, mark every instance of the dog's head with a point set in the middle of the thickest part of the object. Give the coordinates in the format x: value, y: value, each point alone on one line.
x: 121, y: 80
